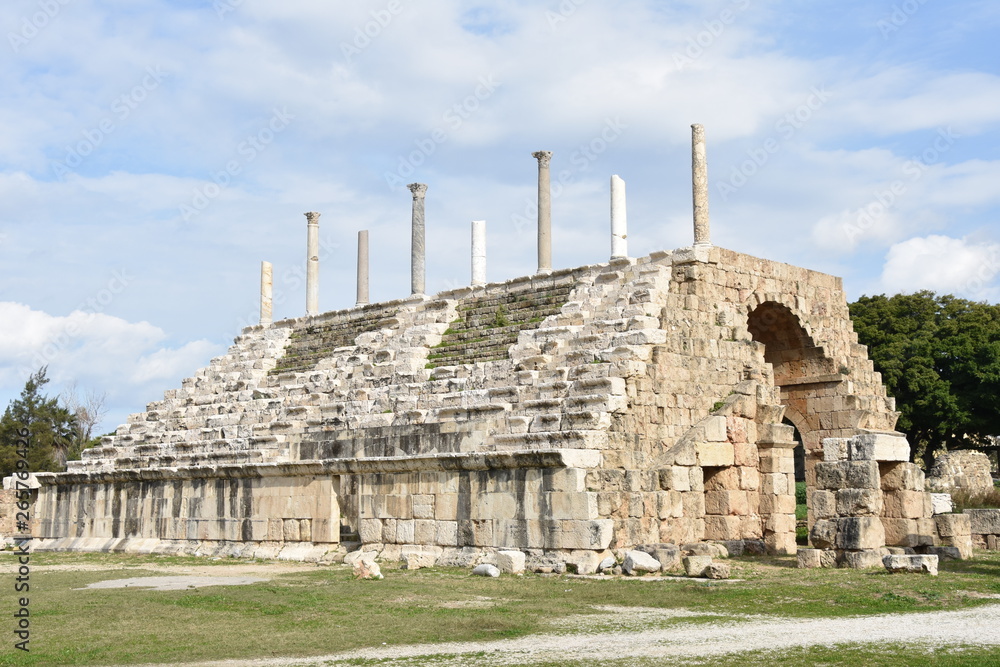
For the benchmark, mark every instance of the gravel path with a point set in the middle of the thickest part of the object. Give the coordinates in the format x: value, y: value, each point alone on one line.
x: 683, y: 639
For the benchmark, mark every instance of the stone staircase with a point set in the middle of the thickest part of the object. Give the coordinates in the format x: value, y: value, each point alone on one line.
x: 489, y: 326
x: 319, y: 336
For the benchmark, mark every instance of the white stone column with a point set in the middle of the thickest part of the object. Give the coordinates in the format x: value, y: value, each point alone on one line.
x: 312, y: 263
x: 699, y: 183
x: 544, y: 211
x: 478, y: 253
x: 266, y: 290
x: 619, y: 222
x: 362, y: 267
x: 418, y: 253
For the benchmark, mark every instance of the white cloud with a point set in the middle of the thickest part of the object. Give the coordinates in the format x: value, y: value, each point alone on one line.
x: 945, y: 265
x: 96, y: 351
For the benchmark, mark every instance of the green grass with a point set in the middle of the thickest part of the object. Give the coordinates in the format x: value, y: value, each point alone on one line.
x: 322, y: 610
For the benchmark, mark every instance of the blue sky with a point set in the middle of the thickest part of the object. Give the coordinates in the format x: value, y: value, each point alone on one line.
x: 153, y: 153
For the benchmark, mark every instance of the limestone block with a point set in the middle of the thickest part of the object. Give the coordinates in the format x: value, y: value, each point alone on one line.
x: 774, y: 484
x: 568, y: 506
x: 823, y: 504
x: 423, y: 506
x: 726, y: 503
x: 638, y: 562
x: 901, y: 477
x: 862, y: 559
x: 668, y: 555
x: 367, y: 568
x: 717, y: 571
x: 823, y: 534
x: 570, y: 480
x: 948, y: 552
x: 749, y: 478
x: 835, y: 449
x: 911, y: 563
x: 595, y: 534
x: 583, y: 561
x: 447, y: 533
x: 418, y: 560
x: 780, y: 523
x: 675, y: 478
x: 953, y: 525
x: 745, y: 454
x: 941, y: 503
x: 724, y: 479
x: 984, y: 522
x: 424, y: 531
x: 809, y: 558
x: 878, y: 447
x: 715, y: 429
x: 694, y: 504
x: 901, y: 532
x: 857, y: 533
x: 446, y: 506
x: 859, y: 502
x: 493, y: 505
x: 290, y: 530
x: 670, y: 504
x: 714, y: 454
x: 695, y: 566
x: 776, y: 463
x: 696, y: 478
x: 780, y: 544
x: 906, y: 504
x: 777, y: 504
x: 486, y: 571
x: 510, y: 562
x: 723, y: 527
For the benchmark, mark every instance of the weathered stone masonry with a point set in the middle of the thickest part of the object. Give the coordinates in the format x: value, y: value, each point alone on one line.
x: 613, y: 405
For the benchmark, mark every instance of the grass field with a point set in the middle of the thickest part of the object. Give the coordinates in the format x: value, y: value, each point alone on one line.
x: 313, y: 610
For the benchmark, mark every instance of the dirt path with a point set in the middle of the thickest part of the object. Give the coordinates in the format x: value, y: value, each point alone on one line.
x: 969, y: 627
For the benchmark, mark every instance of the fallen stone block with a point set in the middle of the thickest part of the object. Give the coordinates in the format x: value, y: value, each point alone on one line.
x: 416, y: 561
x: 695, y: 566
x: 668, y: 555
x: 510, y: 562
x: 638, y: 563
x: 367, y: 568
x: 353, y: 557
x: 917, y: 563
x: 948, y: 552
x: 607, y: 564
x: 486, y: 571
x: 717, y: 571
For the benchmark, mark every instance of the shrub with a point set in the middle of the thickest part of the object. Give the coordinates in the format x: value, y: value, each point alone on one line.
x: 963, y: 499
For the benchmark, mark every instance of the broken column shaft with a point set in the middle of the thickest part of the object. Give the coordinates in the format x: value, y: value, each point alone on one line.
x: 619, y: 224
x: 418, y: 253
x: 478, y: 253
x: 362, y: 268
x: 266, y: 286
x: 699, y: 185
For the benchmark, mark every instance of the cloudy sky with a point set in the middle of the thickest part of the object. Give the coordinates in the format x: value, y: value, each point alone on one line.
x: 153, y: 153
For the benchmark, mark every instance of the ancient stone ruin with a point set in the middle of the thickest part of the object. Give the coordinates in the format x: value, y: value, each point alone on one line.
x: 643, y: 401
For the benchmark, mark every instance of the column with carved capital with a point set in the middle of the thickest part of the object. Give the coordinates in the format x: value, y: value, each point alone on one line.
x: 312, y: 263
x: 699, y: 186
x: 418, y: 253
x: 544, y: 211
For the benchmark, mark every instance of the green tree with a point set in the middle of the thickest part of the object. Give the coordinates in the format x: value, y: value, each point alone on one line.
x: 50, y: 425
x: 940, y: 357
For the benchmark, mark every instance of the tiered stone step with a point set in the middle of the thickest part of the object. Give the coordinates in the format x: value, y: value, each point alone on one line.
x: 317, y: 339
x: 489, y: 326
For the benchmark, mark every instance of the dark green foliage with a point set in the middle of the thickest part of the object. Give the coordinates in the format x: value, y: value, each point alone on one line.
x: 940, y: 357
x: 51, y: 426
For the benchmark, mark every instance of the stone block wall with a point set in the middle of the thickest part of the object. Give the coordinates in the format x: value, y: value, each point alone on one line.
x: 984, y: 527
x: 670, y: 374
